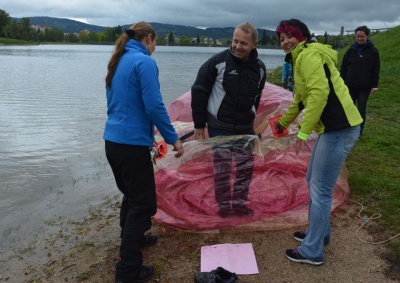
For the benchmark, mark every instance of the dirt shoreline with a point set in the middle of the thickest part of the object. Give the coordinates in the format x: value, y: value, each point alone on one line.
x: 89, y: 251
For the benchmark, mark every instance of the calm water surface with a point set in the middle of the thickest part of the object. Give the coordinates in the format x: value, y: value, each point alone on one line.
x: 52, y: 113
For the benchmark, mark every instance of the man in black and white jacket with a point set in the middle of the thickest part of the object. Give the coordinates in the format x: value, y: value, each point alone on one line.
x: 225, y: 98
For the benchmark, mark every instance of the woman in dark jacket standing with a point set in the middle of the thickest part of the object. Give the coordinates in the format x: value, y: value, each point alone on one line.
x: 360, y: 70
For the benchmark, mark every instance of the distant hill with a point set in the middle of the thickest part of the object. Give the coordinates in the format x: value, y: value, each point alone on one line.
x: 72, y: 26
x: 66, y: 25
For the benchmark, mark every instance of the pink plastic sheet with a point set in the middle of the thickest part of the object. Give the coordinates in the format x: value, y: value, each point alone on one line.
x: 278, y: 192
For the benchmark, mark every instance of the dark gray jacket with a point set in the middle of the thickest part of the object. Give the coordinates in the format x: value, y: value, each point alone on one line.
x: 361, y: 66
x: 227, y: 92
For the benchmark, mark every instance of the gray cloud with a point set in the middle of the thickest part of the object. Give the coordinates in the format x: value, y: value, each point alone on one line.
x: 318, y: 15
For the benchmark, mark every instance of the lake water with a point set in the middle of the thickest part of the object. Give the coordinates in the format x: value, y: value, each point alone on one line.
x: 52, y: 113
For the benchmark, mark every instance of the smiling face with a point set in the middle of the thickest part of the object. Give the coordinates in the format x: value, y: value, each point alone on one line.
x: 242, y: 44
x: 361, y: 37
x: 288, y: 42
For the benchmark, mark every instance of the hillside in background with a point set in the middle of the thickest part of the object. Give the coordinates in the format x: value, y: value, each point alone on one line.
x: 66, y: 25
x: 72, y: 26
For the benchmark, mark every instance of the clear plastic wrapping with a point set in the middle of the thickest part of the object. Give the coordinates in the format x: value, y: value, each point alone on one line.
x: 190, y: 189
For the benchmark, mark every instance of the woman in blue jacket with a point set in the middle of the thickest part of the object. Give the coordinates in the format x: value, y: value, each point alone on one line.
x: 134, y: 108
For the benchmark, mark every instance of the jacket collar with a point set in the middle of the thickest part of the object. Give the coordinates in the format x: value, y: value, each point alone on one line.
x: 136, y: 45
x: 296, y: 51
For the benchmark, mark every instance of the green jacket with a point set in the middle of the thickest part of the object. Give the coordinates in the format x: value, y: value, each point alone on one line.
x: 319, y: 90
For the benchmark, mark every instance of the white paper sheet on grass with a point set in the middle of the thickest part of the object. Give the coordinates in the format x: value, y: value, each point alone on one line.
x: 238, y: 258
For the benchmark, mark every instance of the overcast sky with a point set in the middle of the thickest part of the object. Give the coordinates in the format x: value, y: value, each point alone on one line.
x: 319, y: 15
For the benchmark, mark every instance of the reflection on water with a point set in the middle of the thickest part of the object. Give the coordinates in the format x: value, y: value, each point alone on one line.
x: 52, y: 114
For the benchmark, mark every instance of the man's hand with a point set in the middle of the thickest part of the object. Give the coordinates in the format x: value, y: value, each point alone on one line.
x: 199, y: 134
x: 373, y: 90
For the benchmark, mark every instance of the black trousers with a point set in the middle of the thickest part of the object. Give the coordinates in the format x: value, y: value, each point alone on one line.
x: 222, y: 169
x: 134, y: 175
x: 240, y: 150
x: 360, y: 98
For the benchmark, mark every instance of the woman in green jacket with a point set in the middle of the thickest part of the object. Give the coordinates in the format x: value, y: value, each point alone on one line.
x: 328, y: 110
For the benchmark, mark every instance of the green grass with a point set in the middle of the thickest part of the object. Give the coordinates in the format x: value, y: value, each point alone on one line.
x: 10, y: 41
x: 374, y: 164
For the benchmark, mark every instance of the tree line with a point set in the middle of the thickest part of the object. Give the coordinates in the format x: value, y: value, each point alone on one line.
x: 22, y: 30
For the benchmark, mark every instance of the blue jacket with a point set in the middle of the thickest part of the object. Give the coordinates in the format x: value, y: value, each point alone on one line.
x: 287, y: 74
x: 134, y: 101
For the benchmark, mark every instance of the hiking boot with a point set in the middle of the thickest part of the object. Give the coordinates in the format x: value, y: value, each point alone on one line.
x: 300, y: 235
x: 224, y: 212
x: 149, y: 240
x: 295, y: 256
x: 242, y: 210
x: 224, y: 209
x: 145, y: 275
x: 218, y: 275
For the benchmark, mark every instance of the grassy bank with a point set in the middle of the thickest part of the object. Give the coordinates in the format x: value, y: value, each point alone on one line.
x: 10, y: 41
x: 374, y: 164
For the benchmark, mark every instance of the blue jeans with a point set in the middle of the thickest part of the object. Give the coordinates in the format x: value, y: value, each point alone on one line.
x: 326, y: 162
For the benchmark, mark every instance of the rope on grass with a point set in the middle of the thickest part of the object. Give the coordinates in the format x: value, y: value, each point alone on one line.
x: 366, y: 220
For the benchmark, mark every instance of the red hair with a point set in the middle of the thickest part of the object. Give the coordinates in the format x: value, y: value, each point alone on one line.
x: 285, y: 27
